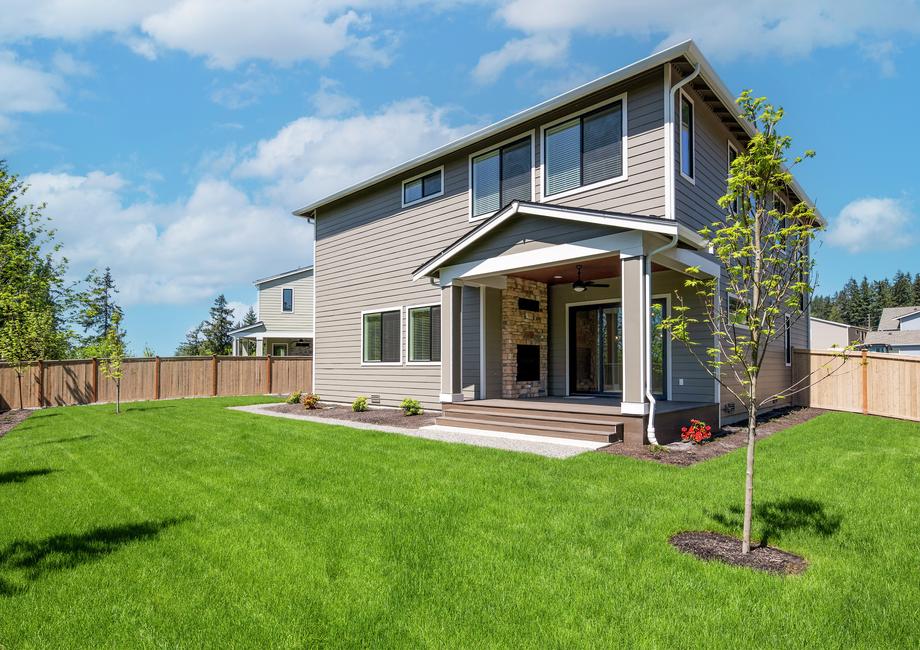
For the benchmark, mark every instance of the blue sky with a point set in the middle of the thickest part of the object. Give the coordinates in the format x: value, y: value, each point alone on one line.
x: 172, y: 138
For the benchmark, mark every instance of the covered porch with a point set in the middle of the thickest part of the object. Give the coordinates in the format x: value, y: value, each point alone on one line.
x: 542, y: 326
x: 258, y: 340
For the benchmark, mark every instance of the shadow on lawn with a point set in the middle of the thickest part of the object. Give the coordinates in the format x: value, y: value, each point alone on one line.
x: 58, y: 441
x: 778, y: 517
x: 24, y: 475
x: 32, y: 560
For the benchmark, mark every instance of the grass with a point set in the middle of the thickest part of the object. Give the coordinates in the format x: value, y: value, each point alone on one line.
x: 184, y: 524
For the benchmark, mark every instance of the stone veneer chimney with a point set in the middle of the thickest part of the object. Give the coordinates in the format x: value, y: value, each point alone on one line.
x: 524, y: 327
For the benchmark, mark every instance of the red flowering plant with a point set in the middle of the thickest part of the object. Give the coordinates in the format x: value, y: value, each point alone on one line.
x: 698, y: 432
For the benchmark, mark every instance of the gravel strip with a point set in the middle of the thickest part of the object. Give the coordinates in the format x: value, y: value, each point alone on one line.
x: 505, y: 441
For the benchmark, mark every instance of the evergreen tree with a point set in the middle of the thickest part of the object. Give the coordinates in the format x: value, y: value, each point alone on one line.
x: 249, y: 318
x: 902, y: 290
x: 217, y: 339
x: 916, y: 290
x: 97, y: 306
x: 193, y: 345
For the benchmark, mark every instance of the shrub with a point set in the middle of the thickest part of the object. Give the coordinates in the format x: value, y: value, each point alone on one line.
x: 698, y: 432
x: 411, y: 407
x: 360, y: 404
x: 310, y: 401
x: 293, y: 398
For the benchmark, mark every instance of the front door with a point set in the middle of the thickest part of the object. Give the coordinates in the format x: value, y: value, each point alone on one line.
x: 596, y: 349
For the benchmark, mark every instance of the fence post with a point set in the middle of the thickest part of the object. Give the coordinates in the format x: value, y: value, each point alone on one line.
x: 214, y: 375
x: 156, y: 377
x: 268, y: 374
x: 41, y: 383
x: 865, y: 382
x: 95, y: 380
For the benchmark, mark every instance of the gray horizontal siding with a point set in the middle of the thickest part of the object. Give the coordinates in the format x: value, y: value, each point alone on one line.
x: 270, y: 303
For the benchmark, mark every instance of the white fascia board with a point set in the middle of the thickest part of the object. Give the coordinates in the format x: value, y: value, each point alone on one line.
x: 278, y: 276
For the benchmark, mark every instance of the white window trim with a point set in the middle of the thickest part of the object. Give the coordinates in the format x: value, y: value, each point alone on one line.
x: 787, y: 340
x: 409, y: 361
x: 584, y: 188
x: 402, y: 188
x: 680, y: 141
x: 275, y: 345
x: 533, y: 172
x: 376, y: 364
x: 283, y: 310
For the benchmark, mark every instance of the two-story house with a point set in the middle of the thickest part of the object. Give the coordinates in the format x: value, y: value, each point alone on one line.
x: 898, y: 331
x: 513, y: 277
x: 285, y: 326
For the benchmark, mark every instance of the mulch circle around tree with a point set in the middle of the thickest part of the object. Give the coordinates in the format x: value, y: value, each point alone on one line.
x: 10, y: 419
x: 729, y: 438
x: 715, y: 546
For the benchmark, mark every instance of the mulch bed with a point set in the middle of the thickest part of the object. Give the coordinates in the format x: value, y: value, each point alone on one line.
x: 729, y: 438
x: 378, y: 416
x: 715, y: 546
x: 10, y: 419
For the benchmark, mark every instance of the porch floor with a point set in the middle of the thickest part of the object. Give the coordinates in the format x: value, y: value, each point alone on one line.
x: 581, y: 404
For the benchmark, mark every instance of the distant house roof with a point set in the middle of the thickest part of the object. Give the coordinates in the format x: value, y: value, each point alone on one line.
x: 891, y: 317
x: 834, y: 322
x: 248, y: 329
x: 893, y: 337
x: 279, y: 276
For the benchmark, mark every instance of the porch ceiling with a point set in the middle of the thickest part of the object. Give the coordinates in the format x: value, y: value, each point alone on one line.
x: 593, y: 269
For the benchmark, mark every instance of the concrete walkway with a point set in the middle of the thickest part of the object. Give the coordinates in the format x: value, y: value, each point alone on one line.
x: 541, y: 445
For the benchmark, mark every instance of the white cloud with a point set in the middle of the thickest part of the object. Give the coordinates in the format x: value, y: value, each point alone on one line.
x: 240, y: 309
x: 873, y: 224
x: 66, y: 64
x: 723, y: 28
x: 169, y: 252
x: 540, y: 49
x: 315, y: 156
x: 330, y: 101
x: 246, y: 92
x: 27, y: 88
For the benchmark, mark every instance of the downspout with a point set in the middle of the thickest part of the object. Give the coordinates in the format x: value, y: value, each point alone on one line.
x: 670, y: 213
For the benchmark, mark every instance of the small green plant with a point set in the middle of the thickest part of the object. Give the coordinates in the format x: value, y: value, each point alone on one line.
x: 360, y: 404
x: 293, y: 398
x: 657, y: 450
x: 411, y: 407
x: 310, y: 401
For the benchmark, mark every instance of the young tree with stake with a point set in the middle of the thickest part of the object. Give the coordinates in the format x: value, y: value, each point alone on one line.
x: 113, y: 349
x: 763, y: 247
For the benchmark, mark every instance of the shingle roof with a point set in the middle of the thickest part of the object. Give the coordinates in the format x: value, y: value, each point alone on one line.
x: 890, y: 315
x: 889, y: 337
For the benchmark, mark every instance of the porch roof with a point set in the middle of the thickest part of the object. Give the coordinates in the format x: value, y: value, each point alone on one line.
x: 597, y: 217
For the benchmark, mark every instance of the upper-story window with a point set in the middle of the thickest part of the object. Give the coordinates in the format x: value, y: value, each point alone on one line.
x: 501, y: 176
x: 423, y: 187
x: 687, y: 144
x: 287, y: 300
x: 585, y: 150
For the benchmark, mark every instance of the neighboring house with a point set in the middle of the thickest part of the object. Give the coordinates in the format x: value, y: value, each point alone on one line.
x: 512, y: 263
x: 285, y: 326
x: 828, y: 334
x: 898, y: 331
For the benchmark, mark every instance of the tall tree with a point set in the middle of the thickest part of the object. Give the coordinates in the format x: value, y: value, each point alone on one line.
x: 902, y: 290
x: 193, y: 345
x: 916, y: 290
x: 25, y: 337
x: 764, y: 254
x: 96, y: 305
x: 217, y: 337
x: 249, y: 318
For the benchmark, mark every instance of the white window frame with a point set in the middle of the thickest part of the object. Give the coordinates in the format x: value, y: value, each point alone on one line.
x: 680, y: 140
x: 571, y: 116
x: 402, y: 187
x: 376, y: 364
x: 728, y: 166
x: 277, y: 345
x: 728, y: 307
x: 283, y: 310
x: 409, y: 361
x: 533, y: 171
x: 787, y: 340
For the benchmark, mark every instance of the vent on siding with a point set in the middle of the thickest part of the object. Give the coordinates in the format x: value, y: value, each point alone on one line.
x: 375, y: 399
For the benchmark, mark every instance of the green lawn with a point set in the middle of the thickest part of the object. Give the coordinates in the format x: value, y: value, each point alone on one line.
x: 183, y: 524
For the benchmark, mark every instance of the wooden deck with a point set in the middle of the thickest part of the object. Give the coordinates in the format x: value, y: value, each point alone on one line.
x: 598, y: 419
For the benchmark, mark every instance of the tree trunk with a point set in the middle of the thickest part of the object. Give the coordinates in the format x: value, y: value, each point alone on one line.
x: 749, y: 480
x: 117, y: 397
x: 19, y: 378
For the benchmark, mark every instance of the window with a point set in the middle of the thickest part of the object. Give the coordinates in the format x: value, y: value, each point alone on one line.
x: 687, y: 162
x: 585, y: 150
x: 381, y: 334
x: 279, y: 349
x: 502, y: 176
x: 421, y: 188
x: 732, y: 154
x: 425, y: 334
x: 734, y: 304
x: 787, y: 339
x: 287, y: 300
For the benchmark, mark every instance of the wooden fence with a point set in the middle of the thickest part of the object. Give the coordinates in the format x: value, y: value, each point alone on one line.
x: 79, y: 381
x: 860, y: 382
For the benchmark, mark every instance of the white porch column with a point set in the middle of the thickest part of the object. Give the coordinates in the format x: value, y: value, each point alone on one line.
x: 451, y: 382
x: 259, y: 351
x: 634, y: 332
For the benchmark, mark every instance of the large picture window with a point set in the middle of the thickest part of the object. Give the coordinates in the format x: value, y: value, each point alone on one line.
x: 425, y: 334
x: 585, y: 150
x: 381, y: 337
x: 502, y: 176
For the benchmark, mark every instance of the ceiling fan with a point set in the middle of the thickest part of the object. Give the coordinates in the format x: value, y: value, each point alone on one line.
x: 580, y: 285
